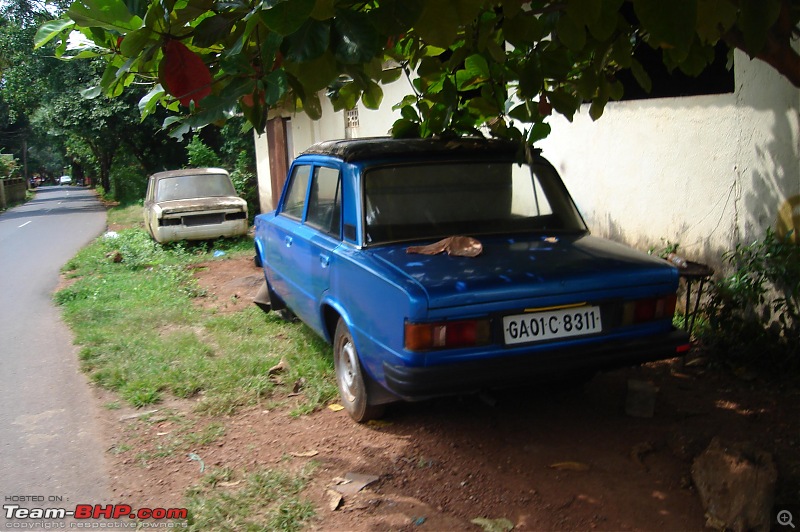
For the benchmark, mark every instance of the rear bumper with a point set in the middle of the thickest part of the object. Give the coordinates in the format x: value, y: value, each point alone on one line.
x: 172, y: 233
x: 414, y: 383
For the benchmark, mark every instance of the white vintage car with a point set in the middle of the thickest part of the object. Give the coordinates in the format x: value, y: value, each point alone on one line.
x: 193, y: 204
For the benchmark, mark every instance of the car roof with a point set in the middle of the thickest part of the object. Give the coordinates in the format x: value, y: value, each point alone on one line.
x: 351, y: 150
x: 188, y: 171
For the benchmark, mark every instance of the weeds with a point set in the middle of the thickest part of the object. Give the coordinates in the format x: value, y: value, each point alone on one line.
x: 754, y: 313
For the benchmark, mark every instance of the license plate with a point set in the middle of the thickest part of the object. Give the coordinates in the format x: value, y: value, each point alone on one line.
x: 551, y: 324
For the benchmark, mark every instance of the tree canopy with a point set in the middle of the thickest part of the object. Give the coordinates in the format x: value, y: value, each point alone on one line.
x: 46, y: 124
x: 501, y: 64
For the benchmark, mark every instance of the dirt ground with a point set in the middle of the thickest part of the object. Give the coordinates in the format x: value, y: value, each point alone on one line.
x: 543, y: 458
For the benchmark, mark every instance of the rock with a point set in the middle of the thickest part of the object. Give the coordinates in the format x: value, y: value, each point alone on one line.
x: 736, y: 484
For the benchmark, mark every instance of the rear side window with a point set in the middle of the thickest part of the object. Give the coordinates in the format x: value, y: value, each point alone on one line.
x: 325, y: 201
x: 295, y: 203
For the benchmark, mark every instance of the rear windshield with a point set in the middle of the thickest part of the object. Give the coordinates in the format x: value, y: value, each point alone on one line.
x: 432, y: 200
x: 194, y: 186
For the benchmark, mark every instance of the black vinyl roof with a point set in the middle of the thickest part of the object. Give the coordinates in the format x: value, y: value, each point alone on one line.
x: 384, y: 147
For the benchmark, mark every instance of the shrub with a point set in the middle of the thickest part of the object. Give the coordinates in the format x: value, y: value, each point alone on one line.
x: 754, y: 313
x: 246, y: 184
x: 128, y: 185
x: 200, y: 155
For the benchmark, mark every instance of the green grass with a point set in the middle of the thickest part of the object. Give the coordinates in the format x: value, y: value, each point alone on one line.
x: 141, y: 335
x: 132, y: 215
x: 265, y: 499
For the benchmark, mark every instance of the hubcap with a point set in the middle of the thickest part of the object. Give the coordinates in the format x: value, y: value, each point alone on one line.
x: 347, y: 369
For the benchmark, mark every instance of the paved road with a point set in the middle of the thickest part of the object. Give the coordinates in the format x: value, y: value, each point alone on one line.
x: 50, y: 446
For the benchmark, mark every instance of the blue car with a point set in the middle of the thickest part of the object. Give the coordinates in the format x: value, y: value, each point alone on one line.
x: 447, y: 266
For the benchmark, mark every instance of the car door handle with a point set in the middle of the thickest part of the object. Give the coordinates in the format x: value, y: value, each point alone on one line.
x: 289, y: 241
x: 324, y: 260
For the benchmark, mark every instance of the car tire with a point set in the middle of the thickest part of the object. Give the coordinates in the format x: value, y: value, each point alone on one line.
x: 257, y: 260
x: 350, y: 377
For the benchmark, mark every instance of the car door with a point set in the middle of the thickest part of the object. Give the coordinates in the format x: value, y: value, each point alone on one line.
x: 305, y: 235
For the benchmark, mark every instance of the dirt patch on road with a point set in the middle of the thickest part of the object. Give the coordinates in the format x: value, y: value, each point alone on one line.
x: 558, y: 457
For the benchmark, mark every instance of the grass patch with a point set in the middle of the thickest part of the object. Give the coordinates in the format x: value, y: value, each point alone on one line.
x: 140, y: 335
x: 129, y: 216
x: 266, y: 499
x: 181, y: 435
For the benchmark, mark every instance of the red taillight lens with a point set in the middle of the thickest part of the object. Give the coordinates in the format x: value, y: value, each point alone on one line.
x: 644, y: 310
x: 446, y: 335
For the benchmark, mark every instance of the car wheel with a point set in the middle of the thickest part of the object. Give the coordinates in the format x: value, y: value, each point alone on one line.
x: 257, y: 260
x: 350, y: 377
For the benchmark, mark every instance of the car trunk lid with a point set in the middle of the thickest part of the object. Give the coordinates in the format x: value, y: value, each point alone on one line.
x: 530, y: 267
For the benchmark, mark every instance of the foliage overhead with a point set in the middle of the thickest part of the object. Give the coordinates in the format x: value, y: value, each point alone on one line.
x: 501, y: 64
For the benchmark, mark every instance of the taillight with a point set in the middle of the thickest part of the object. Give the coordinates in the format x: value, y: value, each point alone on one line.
x: 644, y: 310
x: 446, y: 334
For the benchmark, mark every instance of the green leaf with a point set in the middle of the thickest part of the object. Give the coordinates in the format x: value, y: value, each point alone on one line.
x: 564, y: 103
x: 475, y: 72
x: 309, y: 42
x: 641, y: 76
x: 714, y: 19
x: 148, y: 102
x: 596, y: 109
x: 323, y: 10
x: 157, y: 18
x: 393, y: 17
x: 699, y: 57
x: 556, y: 63
x: 671, y: 23
x: 316, y: 74
x: 135, y: 41
x: 356, y: 39
x: 521, y: 112
x: 50, y: 30
x: 212, y: 30
x: 372, y: 96
x: 285, y: 18
x: 607, y: 21
x: 477, y: 65
x: 405, y: 129
x: 408, y: 112
x: 584, y: 11
x: 621, y: 52
x: 482, y: 108
x: 312, y: 107
x: 523, y: 30
x: 439, y: 23
x: 530, y: 77
x: 571, y: 33
x: 92, y: 92
x: 108, y: 14
x: 276, y: 85
x: 539, y: 131
x: 755, y: 20
x: 346, y: 97
x: 430, y: 67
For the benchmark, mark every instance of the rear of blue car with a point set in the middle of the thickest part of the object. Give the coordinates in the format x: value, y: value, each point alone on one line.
x: 540, y: 297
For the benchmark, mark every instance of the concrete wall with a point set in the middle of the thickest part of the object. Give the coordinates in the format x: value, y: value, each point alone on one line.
x: 12, y: 190
x: 705, y: 172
